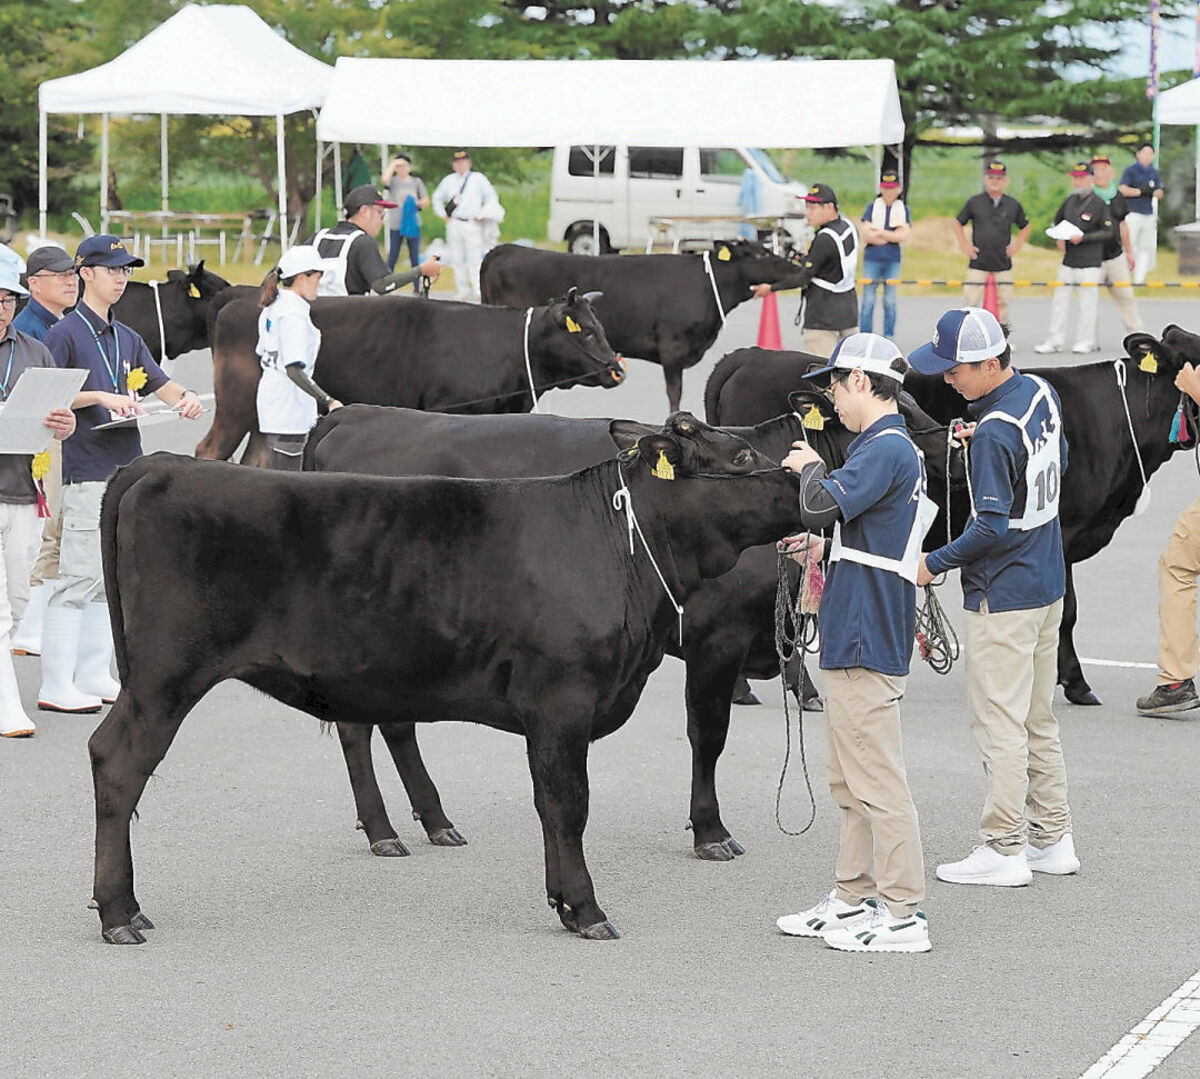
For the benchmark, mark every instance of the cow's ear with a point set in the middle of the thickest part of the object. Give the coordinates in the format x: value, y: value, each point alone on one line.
x: 197, y: 270
x: 625, y: 433
x: 1147, y: 352
x: 176, y: 275
x: 662, y: 453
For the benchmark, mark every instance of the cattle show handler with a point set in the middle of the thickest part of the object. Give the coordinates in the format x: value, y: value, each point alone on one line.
x: 19, y: 521
x: 288, y: 344
x: 879, y: 512
x: 76, y: 635
x: 355, y: 264
x: 827, y: 275
x: 1013, y: 581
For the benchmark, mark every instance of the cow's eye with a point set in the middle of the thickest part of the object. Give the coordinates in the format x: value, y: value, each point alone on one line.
x: 742, y: 457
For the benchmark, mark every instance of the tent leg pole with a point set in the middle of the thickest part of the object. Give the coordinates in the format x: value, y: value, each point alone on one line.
x: 104, y: 172
x: 317, y: 186
x: 41, y: 174
x: 166, y: 198
x: 281, y: 165
x: 337, y: 178
x: 596, y: 189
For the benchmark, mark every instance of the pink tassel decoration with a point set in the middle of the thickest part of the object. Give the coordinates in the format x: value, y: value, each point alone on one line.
x: 812, y: 587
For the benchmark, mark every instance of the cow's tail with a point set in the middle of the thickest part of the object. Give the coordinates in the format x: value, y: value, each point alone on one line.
x: 727, y: 366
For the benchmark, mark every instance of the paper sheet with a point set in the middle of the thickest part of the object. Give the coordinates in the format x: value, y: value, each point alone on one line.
x: 1064, y: 230
x: 38, y: 391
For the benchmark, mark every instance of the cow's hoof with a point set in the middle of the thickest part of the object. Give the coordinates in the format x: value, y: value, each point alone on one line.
x: 725, y: 851
x: 812, y: 704
x: 600, y: 931
x: 447, y: 837
x: 92, y: 904
x: 389, y: 848
x: 123, y: 934
x: 140, y: 923
x: 1081, y: 695
x: 748, y: 697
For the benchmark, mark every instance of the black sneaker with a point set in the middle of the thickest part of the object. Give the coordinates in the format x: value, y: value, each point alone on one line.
x: 1174, y: 697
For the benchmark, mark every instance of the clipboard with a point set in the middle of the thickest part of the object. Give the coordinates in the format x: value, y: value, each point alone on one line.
x: 38, y: 391
x: 152, y: 414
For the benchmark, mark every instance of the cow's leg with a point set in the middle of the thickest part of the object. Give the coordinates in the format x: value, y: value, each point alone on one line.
x: 257, y: 453
x: 401, y: 739
x: 368, y: 801
x: 673, y: 374
x: 1070, y: 671
x: 709, y: 693
x: 125, y: 749
x: 558, y: 753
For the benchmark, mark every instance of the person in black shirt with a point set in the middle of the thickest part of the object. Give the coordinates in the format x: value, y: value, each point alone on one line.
x: 992, y: 215
x: 1117, y: 264
x: 1083, y: 219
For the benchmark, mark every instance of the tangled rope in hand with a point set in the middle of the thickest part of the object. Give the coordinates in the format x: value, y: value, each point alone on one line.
x: 936, y: 639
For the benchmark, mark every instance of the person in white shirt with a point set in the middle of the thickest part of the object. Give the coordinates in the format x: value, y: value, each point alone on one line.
x: 288, y: 344
x: 460, y: 200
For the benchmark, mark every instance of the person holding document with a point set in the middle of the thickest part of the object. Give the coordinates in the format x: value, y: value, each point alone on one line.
x: 76, y: 636
x: 19, y: 501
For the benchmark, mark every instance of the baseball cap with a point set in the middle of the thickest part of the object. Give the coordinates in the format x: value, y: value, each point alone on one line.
x: 105, y: 250
x: 1101, y: 159
x: 365, y: 195
x: 821, y: 193
x: 963, y: 335
x: 888, y: 179
x: 865, y: 351
x: 51, y: 258
x: 1081, y: 168
x: 461, y: 155
x: 10, y: 279
x: 302, y: 258
x: 996, y: 168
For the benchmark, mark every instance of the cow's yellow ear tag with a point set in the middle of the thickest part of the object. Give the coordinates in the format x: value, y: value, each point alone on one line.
x: 1149, y: 364
x: 572, y: 325
x: 663, y: 468
x: 813, y: 419
x: 723, y: 254
x: 193, y: 292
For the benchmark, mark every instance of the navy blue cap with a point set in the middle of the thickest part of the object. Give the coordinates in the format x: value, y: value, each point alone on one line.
x: 105, y: 250
x: 963, y: 335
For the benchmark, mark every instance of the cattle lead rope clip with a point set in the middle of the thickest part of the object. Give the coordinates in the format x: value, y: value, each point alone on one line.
x: 622, y: 499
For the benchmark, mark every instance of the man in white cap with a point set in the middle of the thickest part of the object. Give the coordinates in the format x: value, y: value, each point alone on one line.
x: 459, y: 200
x: 879, y: 513
x: 1013, y: 580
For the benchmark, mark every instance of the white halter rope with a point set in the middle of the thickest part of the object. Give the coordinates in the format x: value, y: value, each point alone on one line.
x: 1119, y: 369
x: 528, y: 366
x: 712, y: 280
x: 623, y: 500
x: 162, y: 333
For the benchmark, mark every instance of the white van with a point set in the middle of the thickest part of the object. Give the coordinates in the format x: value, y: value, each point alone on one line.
x: 637, y: 183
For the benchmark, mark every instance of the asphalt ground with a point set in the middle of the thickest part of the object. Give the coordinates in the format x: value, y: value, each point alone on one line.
x: 284, y: 948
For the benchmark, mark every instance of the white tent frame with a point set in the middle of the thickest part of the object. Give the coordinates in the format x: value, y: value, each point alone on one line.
x: 1181, y: 105
x: 297, y: 84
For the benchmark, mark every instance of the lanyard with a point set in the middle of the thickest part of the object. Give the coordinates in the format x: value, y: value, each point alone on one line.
x: 112, y: 371
x: 12, y: 347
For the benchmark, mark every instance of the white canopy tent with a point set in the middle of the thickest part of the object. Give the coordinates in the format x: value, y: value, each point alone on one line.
x: 781, y: 103
x: 220, y: 60
x: 1181, y: 105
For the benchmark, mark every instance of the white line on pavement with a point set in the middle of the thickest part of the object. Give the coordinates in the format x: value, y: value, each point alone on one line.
x: 1118, y: 663
x: 1149, y: 1043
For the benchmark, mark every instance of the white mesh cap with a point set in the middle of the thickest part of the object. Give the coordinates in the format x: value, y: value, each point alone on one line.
x: 963, y: 335
x: 864, y: 351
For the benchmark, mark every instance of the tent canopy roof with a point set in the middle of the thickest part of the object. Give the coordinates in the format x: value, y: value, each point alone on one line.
x: 1180, y: 104
x: 780, y: 103
x: 219, y: 60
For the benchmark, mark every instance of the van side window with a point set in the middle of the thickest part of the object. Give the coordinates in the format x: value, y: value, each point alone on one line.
x: 579, y: 161
x: 722, y: 165
x: 656, y: 162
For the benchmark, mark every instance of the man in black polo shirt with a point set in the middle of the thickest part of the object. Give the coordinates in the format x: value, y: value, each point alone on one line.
x: 1117, y: 263
x: 992, y: 215
x: 1084, y: 226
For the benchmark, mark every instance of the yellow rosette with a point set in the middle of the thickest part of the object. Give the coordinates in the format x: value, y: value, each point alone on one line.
x: 136, y: 379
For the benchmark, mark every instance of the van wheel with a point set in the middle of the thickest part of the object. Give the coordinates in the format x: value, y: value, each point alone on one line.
x: 580, y: 240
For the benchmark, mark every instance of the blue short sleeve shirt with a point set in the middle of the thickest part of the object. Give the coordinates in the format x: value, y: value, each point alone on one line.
x: 868, y: 615
x: 108, y: 351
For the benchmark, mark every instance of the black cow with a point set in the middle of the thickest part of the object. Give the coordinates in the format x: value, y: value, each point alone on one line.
x: 1102, y: 483
x: 425, y: 354
x: 357, y: 599
x: 728, y: 623
x: 183, y: 301
x: 659, y: 308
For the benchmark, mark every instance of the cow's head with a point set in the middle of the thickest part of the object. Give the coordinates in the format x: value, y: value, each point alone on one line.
x: 1162, y: 360
x: 185, y: 306
x: 571, y: 347
x: 750, y: 263
x: 685, y: 446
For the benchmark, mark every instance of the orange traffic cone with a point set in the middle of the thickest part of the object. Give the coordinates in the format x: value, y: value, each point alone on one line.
x: 768, y: 324
x: 991, y: 297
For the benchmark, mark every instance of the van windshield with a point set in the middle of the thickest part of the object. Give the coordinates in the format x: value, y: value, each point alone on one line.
x: 767, y: 164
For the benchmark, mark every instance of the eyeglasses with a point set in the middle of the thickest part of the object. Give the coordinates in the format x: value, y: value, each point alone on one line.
x: 8, y: 301
x: 62, y: 276
x: 116, y: 271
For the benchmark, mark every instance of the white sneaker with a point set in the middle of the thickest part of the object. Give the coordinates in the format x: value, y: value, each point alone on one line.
x: 882, y: 931
x: 1083, y: 350
x: 986, y: 866
x: 1046, y: 348
x: 829, y: 914
x: 1058, y: 858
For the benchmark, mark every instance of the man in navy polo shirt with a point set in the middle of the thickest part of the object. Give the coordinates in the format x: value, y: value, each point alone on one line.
x: 879, y: 513
x: 53, y: 290
x: 1013, y: 580
x: 1141, y: 183
x: 76, y: 636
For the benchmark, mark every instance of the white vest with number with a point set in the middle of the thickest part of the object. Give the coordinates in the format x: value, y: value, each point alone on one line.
x: 847, y: 245
x: 924, y: 512
x: 1043, y: 466
x: 333, y: 280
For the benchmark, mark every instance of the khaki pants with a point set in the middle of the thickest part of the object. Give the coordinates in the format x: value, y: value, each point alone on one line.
x: 1012, y: 668
x: 1088, y: 306
x: 18, y: 529
x: 81, y: 574
x: 45, y: 568
x: 1178, y: 567
x: 823, y: 342
x: 1115, y: 272
x: 973, y: 289
x: 880, y: 853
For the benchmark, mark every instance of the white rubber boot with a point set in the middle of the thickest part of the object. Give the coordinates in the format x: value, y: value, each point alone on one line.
x: 27, y: 637
x: 60, y: 650
x: 93, y: 669
x: 14, y: 723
